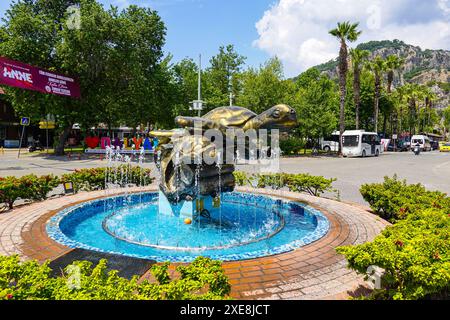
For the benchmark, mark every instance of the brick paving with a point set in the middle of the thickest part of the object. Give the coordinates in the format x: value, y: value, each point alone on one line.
x: 314, y: 271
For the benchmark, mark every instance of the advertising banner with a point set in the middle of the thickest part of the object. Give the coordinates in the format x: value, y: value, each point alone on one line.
x: 21, y: 75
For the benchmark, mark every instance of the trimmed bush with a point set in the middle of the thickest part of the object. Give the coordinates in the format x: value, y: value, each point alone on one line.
x: 202, y: 279
x: 94, y: 178
x: 301, y: 182
x: 29, y: 187
x: 394, y: 199
x: 292, y: 145
x: 415, y: 254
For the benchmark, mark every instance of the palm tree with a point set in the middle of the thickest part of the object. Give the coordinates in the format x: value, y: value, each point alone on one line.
x: 413, y: 94
x: 393, y: 63
x: 345, y: 31
x: 429, y: 97
x: 378, y: 67
x: 358, y: 59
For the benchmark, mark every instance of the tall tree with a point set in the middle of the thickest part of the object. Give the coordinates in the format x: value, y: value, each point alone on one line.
x: 378, y: 67
x: 344, y: 32
x: 315, y: 101
x: 222, y: 77
x: 114, y: 55
x: 264, y: 87
x: 446, y: 120
x: 393, y: 63
x: 358, y: 57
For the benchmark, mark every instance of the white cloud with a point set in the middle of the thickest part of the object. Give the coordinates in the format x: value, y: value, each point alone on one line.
x: 297, y: 30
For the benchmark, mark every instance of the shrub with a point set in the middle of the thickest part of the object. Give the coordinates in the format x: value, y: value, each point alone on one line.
x: 394, y: 199
x: 291, y: 145
x: 202, y: 279
x: 29, y: 187
x: 300, y: 182
x: 94, y: 178
x: 415, y: 254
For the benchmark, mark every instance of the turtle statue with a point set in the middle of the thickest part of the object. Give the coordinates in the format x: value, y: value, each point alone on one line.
x: 183, y: 176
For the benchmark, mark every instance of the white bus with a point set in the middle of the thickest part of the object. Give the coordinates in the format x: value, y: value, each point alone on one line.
x: 358, y: 143
x: 330, y: 143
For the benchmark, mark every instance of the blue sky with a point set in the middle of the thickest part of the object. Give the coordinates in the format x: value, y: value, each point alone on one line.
x: 294, y: 30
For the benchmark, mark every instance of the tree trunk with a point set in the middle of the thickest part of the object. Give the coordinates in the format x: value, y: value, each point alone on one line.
x: 384, y: 124
x: 357, y: 95
x: 376, y: 104
x: 343, y: 68
x: 59, y: 149
x: 390, y: 79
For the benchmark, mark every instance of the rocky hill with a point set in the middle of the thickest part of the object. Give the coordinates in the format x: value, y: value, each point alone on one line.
x: 428, y: 67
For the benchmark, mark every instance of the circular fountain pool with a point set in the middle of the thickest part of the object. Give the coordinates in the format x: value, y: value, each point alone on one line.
x: 245, y: 226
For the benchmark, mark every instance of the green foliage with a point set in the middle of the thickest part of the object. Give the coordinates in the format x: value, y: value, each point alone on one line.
x: 315, y: 100
x: 264, y: 87
x: 94, y: 178
x: 415, y: 254
x: 29, y: 187
x: 394, y: 200
x: 375, y: 45
x: 202, y: 279
x: 300, y: 182
x: 292, y: 145
x: 241, y: 178
x: 115, y: 56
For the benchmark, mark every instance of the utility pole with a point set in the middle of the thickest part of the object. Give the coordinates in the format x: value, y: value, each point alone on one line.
x: 231, y: 98
x: 198, y: 104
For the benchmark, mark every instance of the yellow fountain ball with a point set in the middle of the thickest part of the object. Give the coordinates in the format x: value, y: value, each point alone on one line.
x: 187, y: 221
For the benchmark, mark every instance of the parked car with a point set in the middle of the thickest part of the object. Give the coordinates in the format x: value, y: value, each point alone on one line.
x: 400, y: 146
x: 445, y: 147
x: 422, y: 140
x: 434, y: 145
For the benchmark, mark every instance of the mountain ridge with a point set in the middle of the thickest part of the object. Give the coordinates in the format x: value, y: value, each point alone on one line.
x: 427, y: 67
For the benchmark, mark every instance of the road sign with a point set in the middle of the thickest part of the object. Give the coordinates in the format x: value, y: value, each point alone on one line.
x: 394, y: 136
x: 24, y: 121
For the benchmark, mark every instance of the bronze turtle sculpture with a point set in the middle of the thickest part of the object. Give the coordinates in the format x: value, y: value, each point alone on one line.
x: 178, y: 171
x: 280, y: 117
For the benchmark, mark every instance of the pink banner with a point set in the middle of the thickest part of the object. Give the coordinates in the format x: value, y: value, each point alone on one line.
x: 21, y: 75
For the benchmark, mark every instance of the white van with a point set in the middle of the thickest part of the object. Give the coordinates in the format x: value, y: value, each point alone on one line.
x: 358, y: 143
x: 424, y: 141
x: 330, y: 143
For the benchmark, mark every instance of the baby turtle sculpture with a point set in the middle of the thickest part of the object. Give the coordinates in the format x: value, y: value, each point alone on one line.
x: 182, y: 176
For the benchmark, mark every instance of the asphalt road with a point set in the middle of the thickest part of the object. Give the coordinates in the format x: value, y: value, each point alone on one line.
x: 432, y: 169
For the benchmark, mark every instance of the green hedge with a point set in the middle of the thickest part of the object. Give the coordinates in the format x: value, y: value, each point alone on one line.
x: 291, y: 145
x: 29, y: 187
x: 394, y: 199
x: 202, y: 279
x: 34, y: 188
x: 94, y: 178
x: 300, y: 182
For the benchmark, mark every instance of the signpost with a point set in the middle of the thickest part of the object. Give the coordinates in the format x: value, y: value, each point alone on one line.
x: 24, y: 122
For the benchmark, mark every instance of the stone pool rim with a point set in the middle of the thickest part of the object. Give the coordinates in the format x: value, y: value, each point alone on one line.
x: 54, y: 232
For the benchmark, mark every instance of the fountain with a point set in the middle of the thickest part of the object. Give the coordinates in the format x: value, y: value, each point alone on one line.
x: 195, y: 210
x: 186, y: 173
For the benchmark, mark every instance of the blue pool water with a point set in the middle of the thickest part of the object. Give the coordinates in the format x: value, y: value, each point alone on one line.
x: 245, y: 226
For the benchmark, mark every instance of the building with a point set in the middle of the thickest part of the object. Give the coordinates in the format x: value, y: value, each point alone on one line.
x: 9, y: 124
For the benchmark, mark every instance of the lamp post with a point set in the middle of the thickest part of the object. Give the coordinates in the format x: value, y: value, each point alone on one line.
x: 198, y: 104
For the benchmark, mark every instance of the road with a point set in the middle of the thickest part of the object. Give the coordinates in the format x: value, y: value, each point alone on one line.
x: 432, y: 169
